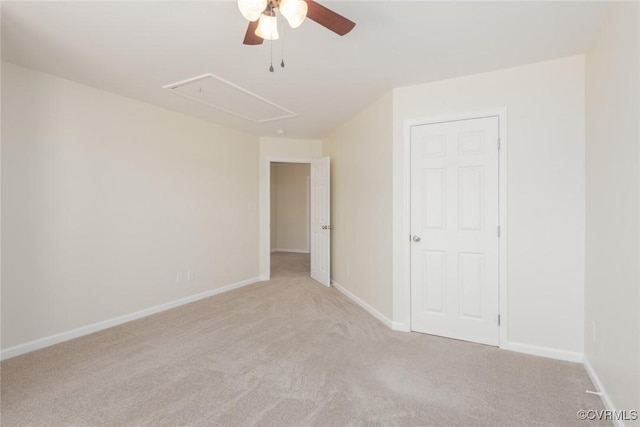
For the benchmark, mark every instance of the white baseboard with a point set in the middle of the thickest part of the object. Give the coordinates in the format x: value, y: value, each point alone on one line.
x: 296, y: 251
x: 95, y: 327
x: 400, y: 326
x: 369, y: 309
x: 552, y: 353
x: 600, y: 388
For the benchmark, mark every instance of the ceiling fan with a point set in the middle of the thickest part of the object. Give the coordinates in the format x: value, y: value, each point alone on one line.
x: 263, y: 25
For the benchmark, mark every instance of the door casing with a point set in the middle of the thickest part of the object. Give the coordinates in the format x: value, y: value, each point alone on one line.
x: 265, y: 219
x: 501, y: 113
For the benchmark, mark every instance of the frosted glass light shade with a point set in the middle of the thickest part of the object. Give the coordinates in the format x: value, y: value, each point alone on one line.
x: 251, y: 9
x: 268, y: 27
x: 294, y: 10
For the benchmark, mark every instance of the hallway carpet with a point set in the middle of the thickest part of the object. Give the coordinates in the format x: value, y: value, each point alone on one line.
x: 287, y: 352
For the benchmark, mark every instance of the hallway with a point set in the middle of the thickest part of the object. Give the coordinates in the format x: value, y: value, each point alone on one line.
x: 289, y: 264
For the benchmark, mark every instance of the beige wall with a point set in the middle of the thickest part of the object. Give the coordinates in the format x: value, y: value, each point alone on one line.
x: 291, y: 207
x: 545, y: 192
x: 361, y: 198
x: 105, y: 199
x: 278, y: 149
x: 612, y: 292
x: 545, y: 104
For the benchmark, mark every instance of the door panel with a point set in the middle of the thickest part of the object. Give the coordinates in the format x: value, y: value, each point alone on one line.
x: 320, y: 221
x: 435, y: 280
x: 454, y: 220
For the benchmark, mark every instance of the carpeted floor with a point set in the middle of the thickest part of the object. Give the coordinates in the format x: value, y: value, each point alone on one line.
x: 288, y: 352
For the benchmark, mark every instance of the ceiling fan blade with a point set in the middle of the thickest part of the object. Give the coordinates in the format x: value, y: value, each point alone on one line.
x: 328, y: 18
x: 250, y: 37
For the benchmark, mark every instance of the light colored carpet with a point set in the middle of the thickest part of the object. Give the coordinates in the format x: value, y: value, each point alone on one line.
x: 288, y: 352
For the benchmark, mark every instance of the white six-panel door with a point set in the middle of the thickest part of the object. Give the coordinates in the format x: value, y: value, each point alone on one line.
x: 320, y: 221
x: 454, y: 226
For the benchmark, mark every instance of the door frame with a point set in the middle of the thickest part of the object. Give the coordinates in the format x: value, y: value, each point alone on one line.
x: 265, y: 220
x: 501, y: 113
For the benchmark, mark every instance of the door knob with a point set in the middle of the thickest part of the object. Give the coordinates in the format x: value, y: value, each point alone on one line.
x: 416, y: 238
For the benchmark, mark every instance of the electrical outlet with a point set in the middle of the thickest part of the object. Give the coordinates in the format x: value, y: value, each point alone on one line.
x: 179, y: 277
x: 190, y: 275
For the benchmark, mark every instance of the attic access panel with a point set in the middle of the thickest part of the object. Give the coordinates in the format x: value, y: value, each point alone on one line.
x: 225, y: 96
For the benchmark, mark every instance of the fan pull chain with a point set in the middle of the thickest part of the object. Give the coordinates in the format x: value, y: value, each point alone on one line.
x: 271, y: 48
x: 270, y: 8
x: 282, y: 41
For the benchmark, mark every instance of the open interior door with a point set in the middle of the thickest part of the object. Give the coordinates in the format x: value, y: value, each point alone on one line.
x: 320, y: 222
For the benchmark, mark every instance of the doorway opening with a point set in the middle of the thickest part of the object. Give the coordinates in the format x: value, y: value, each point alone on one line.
x: 319, y: 240
x: 289, y: 219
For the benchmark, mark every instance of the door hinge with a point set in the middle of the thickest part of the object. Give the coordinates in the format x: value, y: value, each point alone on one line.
x: 498, y: 320
x: 498, y: 143
x: 498, y: 231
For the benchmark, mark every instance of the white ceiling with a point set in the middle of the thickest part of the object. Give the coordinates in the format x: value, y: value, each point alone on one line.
x: 135, y: 48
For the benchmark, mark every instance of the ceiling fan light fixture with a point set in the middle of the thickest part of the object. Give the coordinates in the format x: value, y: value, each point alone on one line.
x: 268, y: 26
x: 252, y: 9
x: 295, y: 11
